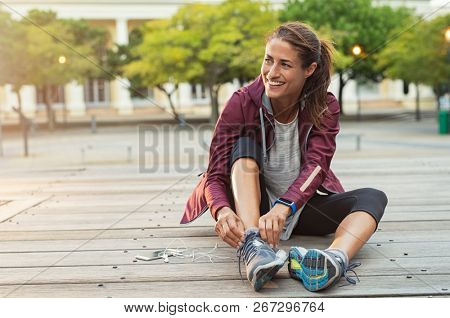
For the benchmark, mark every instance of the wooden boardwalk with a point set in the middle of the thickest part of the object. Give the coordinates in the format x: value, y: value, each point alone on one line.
x: 75, y: 232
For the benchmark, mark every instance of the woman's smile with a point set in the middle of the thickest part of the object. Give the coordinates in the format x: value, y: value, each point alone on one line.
x: 282, y: 73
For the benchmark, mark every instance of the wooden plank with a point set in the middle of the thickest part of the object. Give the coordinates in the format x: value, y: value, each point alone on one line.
x: 220, y: 255
x: 387, y: 250
x: 200, y: 271
x: 185, y: 231
x: 397, y: 231
x: 413, y: 226
x: 11, y: 209
x: 94, y: 207
x: 153, y: 219
x: 376, y: 286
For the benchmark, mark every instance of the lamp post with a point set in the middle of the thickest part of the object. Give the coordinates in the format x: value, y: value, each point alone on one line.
x: 356, y: 52
x: 62, y: 60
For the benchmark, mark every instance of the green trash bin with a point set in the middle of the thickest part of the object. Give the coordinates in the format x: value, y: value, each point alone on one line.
x: 444, y: 122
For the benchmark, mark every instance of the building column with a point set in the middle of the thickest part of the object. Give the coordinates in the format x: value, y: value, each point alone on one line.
x: 184, y: 90
x: 10, y: 99
x: 120, y: 95
x: 28, y: 96
x: 74, y: 96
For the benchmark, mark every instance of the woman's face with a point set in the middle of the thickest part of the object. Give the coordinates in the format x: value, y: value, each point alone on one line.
x: 283, y: 74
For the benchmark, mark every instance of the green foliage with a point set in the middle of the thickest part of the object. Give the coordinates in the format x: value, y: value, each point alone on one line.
x: 52, y: 38
x: 14, y: 64
x: 421, y: 55
x: 161, y: 58
x: 31, y: 49
x: 350, y: 22
x: 201, y: 43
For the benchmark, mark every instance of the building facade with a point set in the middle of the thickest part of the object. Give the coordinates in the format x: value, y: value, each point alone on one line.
x: 114, y: 97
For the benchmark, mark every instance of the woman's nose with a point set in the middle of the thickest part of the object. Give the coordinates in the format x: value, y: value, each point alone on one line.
x: 273, y: 71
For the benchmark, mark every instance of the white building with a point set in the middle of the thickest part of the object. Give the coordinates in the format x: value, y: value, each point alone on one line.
x: 119, y: 17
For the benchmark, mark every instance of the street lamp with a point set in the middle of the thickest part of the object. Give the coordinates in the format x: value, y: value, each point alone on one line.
x: 357, y: 51
x: 62, y: 60
x: 447, y: 34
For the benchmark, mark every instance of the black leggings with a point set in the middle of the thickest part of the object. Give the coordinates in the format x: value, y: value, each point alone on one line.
x: 322, y: 213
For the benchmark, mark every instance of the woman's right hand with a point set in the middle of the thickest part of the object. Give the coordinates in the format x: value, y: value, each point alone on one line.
x: 229, y: 227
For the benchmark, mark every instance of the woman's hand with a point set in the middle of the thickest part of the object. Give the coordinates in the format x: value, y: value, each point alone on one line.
x: 229, y: 227
x: 271, y: 224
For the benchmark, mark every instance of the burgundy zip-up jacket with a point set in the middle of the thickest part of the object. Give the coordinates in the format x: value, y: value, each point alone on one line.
x: 245, y: 115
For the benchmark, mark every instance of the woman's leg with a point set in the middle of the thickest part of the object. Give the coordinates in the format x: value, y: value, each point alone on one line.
x: 353, y: 232
x: 250, y: 201
x: 353, y: 216
x: 247, y: 183
x: 246, y: 191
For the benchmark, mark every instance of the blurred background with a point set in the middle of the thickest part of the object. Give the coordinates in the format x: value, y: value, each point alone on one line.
x: 90, y: 63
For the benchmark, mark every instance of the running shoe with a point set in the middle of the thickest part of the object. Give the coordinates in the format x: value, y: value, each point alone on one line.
x: 318, y: 269
x: 262, y: 262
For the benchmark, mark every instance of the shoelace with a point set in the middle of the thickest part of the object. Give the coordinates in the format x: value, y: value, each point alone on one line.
x: 350, y: 268
x: 248, y: 251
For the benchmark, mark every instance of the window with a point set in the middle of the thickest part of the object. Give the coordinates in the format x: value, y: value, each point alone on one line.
x: 142, y: 93
x: 96, y: 92
x: 56, y: 92
x: 198, y: 92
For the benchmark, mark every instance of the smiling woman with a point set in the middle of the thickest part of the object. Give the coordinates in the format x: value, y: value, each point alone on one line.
x: 269, y: 169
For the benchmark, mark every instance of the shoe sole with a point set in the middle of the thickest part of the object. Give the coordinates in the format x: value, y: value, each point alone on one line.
x: 266, y: 272
x: 316, y: 270
x: 295, y: 259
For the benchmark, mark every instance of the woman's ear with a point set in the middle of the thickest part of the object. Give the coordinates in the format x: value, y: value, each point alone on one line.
x: 310, y: 69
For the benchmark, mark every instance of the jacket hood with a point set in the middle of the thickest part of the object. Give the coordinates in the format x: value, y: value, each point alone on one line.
x: 255, y: 90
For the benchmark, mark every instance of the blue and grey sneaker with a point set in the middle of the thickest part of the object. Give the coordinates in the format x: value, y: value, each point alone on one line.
x: 318, y: 269
x: 262, y: 262
x: 296, y: 255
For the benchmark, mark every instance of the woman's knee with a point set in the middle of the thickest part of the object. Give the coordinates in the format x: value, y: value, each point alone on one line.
x: 379, y: 195
x: 373, y: 199
x: 246, y: 165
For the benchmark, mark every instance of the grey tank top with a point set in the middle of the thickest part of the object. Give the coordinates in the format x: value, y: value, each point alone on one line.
x: 282, y: 167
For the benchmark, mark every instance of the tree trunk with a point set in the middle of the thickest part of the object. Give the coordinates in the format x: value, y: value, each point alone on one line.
x: 22, y: 121
x: 169, y: 97
x: 213, y: 95
x: 48, y: 99
x: 418, y: 116
x: 19, y: 103
x: 342, y: 83
x: 172, y: 107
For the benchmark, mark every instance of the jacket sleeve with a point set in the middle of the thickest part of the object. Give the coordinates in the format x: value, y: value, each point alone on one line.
x: 227, y: 131
x: 321, y: 145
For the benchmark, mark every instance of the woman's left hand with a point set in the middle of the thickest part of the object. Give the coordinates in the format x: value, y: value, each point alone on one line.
x: 271, y: 224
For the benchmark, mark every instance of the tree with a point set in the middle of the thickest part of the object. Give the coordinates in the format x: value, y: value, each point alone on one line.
x: 420, y: 56
x: 60, y: 51
x: 206, y: 44
x: 350, y: 22
x: 229, y: 42
x: 161, y: 59
x: 14, y: 64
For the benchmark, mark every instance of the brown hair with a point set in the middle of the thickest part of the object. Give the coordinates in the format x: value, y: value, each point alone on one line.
x: 310, y: 49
